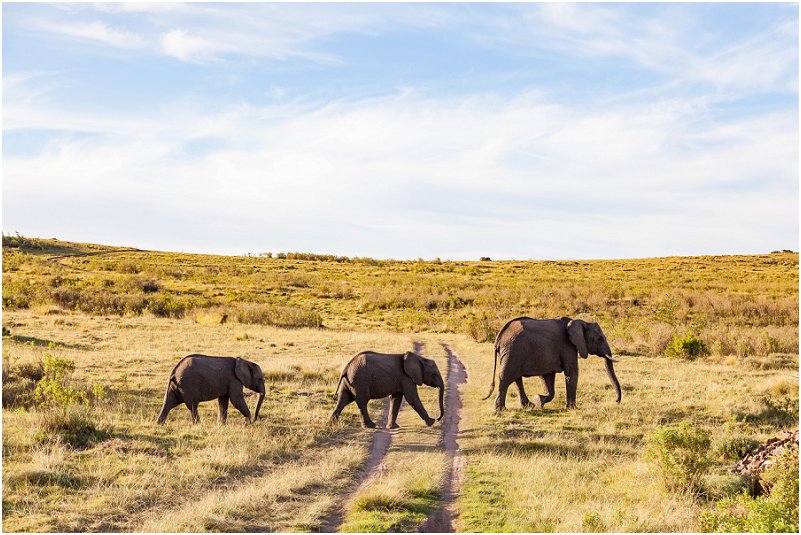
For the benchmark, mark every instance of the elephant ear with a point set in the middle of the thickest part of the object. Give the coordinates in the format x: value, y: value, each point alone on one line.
x: 243, y: 372
x: 413, y: 366
x: 575, y: 331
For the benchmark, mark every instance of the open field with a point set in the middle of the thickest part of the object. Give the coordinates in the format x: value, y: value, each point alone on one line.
x: 125, y: 318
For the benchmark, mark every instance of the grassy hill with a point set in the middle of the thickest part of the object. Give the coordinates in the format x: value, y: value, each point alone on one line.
x: 744, y: 306
x: 89, y: 341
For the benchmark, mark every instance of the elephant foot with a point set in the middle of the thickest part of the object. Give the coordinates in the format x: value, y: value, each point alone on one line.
x: 369, y: 425
x: 430, y: 422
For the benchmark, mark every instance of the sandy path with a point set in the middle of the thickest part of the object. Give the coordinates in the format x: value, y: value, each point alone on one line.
x: 441, y: 520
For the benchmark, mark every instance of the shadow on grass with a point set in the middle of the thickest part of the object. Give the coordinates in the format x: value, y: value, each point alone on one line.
x: 43, y: 342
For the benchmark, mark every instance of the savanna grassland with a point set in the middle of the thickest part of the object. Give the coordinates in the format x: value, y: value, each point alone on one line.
x: 91, y: 333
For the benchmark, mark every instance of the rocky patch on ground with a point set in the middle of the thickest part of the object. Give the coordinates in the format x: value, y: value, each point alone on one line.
x: 756, y: 462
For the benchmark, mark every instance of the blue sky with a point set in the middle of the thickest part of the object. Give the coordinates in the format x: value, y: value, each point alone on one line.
x: 404, y: 130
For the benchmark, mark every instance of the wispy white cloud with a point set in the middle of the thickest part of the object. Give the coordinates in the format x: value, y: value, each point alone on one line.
x: 367, y: 164
x: 654, y: 168
x: 95, y: 32
x: 186, y: 47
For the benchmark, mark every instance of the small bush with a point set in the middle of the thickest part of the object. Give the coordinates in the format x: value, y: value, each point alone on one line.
x: 592, y: 523
x: 688, y: 347
x: 150, y: 286
x: 55, y: 388
x: 71, y: 425
x: 679, y: 455
x: 734, y: 448
x: 168, y: 306
x: 775, y: 513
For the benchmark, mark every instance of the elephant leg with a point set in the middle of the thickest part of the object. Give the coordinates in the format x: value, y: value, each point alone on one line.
x: 571, y: 382
x: 170, y: 402
x: 192, y: 406
x: 345, y: 399
x: 238, y: 401
x: 524, y: 401
x: 222, y: 409
x: 500, y: 399
x: 548, y: 383
x: 413, y: 399
x: 361, y: 402
x: 397, y: 399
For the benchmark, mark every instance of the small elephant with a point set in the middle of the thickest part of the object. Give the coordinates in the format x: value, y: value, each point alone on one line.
x: 199, y: 378
x: 372, y: 375
x: 526, y: 347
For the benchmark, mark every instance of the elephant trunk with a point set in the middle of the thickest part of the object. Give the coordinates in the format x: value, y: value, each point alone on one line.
x: 441, y: 401
x: 258, y: 406
x: 610, y: 370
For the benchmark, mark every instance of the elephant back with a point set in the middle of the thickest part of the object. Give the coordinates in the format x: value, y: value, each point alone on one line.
x: 511, y: 327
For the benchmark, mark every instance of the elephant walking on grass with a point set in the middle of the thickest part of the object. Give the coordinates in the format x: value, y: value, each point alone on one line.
x: 526, y: 347
x: 372, y: 375
x: 199, y: 378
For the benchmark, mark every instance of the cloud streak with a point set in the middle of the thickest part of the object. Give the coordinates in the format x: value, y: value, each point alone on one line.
x: 386, y: 163
x: 524, y: 162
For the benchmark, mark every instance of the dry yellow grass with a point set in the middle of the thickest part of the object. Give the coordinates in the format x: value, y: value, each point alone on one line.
x: 146, y: 477
x: 535, y: 470
x: 527, y: 470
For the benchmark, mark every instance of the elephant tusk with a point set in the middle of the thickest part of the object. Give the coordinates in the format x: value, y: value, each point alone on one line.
x: 609, y: 357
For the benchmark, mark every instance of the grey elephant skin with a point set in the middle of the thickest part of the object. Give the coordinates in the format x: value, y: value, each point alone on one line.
x: 198, y: 378
x: 372, y: 375
x: 527, y: 347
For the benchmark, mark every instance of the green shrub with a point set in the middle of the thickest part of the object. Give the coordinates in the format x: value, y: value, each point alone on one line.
x: 734, y: 448
x: 679, y: 455
x: 55, y: 388
x: 688, y: 347
x: 592, y: 523
x: 775, y: 513
x: 168, y: 306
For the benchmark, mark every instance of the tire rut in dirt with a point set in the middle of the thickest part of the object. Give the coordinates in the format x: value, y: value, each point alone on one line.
x: 441, y: 520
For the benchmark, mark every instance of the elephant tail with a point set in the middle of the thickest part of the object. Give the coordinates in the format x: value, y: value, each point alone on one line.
x: 172, y: 384
x: 494, y: 366
x: 341, y: 378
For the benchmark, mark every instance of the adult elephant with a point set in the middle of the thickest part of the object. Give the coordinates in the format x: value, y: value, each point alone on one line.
x: 371, y: 375
x: 198, y: 378
x: 526, y: 347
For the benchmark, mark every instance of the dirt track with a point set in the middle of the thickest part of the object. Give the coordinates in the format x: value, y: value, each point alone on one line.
x: 441, y: 520
x: 382, y: 439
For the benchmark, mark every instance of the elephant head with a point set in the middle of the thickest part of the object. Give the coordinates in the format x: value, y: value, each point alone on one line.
x: 424, y: 371
x: 251, y: 376
x: 589, y: 338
